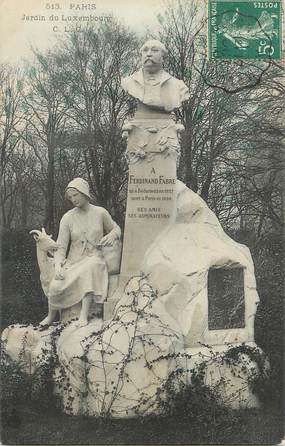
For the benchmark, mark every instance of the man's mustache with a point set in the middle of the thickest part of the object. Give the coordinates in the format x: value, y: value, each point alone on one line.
x: 148, y: 58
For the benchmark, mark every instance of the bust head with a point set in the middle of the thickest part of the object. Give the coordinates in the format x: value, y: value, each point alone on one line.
x: 153, y: 86
x: 152, y: 53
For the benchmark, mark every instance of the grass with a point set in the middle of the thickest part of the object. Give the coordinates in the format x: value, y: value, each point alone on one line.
x: 29, y: 425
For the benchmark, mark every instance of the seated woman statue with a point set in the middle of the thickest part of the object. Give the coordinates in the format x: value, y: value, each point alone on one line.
x: 81, y: 275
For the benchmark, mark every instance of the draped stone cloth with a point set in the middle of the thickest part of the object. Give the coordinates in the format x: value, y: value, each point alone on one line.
x: 85, y: 270
x: 166, y: 92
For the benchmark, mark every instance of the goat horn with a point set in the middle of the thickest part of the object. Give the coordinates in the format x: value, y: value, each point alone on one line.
x: 44, y: 231
x: 35, y: 231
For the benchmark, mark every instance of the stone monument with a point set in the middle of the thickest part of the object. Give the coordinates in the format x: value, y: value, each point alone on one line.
x: 186, y: 295
x: 152, y: 154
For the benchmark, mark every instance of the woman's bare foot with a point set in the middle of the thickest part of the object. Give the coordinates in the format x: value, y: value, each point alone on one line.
x: 48, y: 320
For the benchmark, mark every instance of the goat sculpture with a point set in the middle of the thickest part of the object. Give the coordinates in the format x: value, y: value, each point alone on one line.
x: 45, y: 246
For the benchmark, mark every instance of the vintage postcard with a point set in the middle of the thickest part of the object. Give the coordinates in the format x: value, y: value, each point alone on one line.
x: 142, y: 157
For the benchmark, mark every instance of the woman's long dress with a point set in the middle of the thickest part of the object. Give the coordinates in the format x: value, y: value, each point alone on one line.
x: 85, y: 269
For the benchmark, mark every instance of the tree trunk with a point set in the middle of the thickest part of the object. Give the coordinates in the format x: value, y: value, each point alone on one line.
x: 49, y: 216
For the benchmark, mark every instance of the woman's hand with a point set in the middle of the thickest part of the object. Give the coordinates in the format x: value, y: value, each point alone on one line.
x: 108, y: 240
x: 59, y: 274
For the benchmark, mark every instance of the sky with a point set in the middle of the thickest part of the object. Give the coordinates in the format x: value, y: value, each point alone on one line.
x: 20, y: 28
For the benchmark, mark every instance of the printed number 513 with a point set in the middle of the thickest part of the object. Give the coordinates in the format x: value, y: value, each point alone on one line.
x: 52, y: 6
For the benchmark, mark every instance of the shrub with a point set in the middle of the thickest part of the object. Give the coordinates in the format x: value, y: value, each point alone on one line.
x: 23, y: 298
x: 198, y: 406
x: 15, y: 391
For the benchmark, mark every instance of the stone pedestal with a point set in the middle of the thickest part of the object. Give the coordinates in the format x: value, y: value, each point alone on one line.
x: 152, y: 153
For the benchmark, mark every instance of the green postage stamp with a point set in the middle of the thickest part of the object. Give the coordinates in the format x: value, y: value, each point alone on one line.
x: 244, y: 29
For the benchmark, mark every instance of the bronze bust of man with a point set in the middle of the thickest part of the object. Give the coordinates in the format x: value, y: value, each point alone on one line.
x: 153, y: 86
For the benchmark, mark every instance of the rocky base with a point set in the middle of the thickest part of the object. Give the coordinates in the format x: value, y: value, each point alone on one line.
x: 123, y: 367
